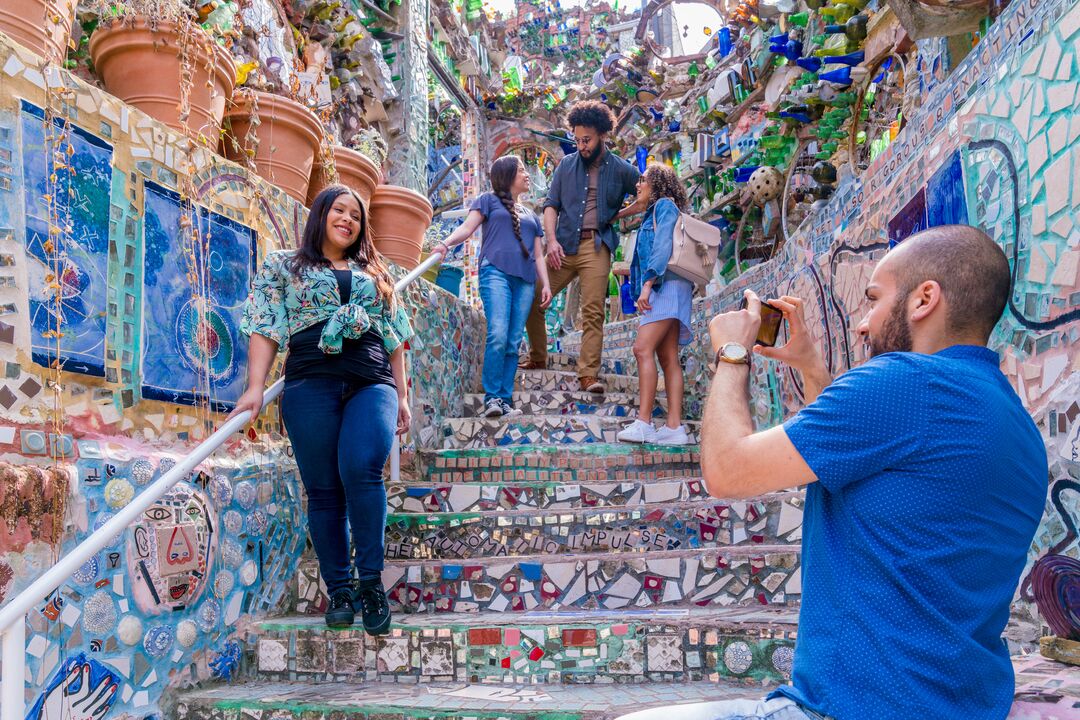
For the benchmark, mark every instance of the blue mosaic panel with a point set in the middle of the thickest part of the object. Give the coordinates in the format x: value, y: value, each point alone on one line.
x: 77, y: 257
x: 193, y: 300
x: 945, y: 202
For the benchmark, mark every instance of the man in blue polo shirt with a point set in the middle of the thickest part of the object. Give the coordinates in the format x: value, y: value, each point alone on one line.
x: 926, y: 479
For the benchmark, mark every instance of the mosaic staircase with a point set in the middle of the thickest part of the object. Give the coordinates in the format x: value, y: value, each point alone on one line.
x: 551, y: 576
x: 538, y: 568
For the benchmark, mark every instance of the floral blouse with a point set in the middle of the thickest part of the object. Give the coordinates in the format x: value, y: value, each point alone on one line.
x: 282, y: 304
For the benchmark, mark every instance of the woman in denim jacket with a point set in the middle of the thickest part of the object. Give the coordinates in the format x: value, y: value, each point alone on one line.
x: 664, y: 301
x: 332, y: 302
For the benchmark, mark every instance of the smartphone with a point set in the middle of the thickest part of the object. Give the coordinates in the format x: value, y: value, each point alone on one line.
x: 772, y: 318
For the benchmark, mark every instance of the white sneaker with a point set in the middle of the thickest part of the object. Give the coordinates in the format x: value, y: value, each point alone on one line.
x: 638, y: 431
x: 493, y: 408
x: 509, y: 410
x: 672, y: 436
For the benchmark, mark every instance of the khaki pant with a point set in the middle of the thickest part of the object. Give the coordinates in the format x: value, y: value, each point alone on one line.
x: 591, y: 267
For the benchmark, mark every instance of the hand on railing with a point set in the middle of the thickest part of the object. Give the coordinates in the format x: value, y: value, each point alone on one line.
x: 252, y: 400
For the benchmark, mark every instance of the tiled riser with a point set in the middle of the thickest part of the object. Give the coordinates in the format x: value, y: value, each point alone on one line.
x: 577, y: 650
x: 299, y: 700
x: 536, y: 430
x: 559, y: 464
x: 749, y: 575
x: 570, y: 403
x: 698, y: 524
x: 472, y: 497
x: 622, y: 362
x: 566, y: 381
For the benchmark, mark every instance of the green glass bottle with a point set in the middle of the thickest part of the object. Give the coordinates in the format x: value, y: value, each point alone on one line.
x: 838, y: 14
x: 801, y: 19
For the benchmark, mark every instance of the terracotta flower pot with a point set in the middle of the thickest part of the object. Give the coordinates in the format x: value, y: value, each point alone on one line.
x: 288, y: 137
x: 140, y: 63
x: 43, y: 26
x: 354, y: 169
x: 399, y: 219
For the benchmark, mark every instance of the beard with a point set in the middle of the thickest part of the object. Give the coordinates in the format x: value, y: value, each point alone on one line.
x: 590, y: 157
x: 895, y: 335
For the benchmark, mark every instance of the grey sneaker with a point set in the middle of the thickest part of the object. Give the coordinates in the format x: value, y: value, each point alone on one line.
x: 509, y: 410
x: 672, y: 436
x: 493, y: 408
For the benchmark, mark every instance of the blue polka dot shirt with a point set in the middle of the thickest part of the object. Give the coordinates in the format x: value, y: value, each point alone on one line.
x: 932, y: 479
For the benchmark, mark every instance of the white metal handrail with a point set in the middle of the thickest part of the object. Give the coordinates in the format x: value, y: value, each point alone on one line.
x: 13, y: 613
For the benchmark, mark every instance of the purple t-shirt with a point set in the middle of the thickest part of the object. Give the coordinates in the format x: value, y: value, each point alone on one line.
x: 500, y: 247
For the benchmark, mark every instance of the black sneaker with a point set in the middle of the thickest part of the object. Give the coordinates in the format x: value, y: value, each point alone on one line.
x: 370, y: 600
x: 340, y: 614
x: 493, y: 408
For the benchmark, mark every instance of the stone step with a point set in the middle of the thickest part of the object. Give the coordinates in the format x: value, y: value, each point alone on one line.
x: 597, y: 462
x: 567, y: 381
x: 669, y: 645
x: 775, y: 519
x: 445, y: 701
x: 570, y: 403
x: 473, y: 432
x: 510, y: 495
x: 721, y: 576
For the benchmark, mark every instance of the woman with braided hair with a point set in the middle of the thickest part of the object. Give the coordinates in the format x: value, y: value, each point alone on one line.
x: 511, y: 260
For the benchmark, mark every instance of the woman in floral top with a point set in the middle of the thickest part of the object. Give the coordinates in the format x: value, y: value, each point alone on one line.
x: 333, y: 303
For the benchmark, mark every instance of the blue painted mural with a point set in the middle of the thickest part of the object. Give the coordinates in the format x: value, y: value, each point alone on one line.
x: 194, y: 290
x: 67, y: 240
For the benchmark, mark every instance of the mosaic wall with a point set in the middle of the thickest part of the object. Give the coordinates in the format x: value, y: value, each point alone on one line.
x: 994, y: 146
x: 125, y: 258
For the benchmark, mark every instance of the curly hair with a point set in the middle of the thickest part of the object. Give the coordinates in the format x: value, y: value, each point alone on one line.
x: 666, y: 184
x: 591, y: 114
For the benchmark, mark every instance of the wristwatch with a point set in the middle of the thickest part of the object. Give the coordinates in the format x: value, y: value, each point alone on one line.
x: 732, y: 353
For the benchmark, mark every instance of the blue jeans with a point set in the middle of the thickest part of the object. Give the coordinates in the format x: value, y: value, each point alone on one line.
x: 775, y: 709
x: 341, y: 438
x: 507, y: 300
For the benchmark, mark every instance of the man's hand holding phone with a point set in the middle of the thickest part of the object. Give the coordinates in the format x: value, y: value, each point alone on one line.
x: 740, y: 326
x: 799, y: 352
x: 757, y: 324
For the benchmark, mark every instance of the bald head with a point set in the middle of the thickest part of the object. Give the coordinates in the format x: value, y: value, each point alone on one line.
x: 970, y: 268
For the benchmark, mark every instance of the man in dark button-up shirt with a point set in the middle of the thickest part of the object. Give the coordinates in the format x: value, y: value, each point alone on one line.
x: 587, y: 192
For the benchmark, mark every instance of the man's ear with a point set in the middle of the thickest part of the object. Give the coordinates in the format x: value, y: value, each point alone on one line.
x: 924, y: 300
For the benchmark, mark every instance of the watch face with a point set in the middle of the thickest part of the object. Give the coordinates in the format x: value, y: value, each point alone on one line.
x: 734, y: 351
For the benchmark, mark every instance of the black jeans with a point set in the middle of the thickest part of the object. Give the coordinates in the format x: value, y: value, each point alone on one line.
x: 341, y: 437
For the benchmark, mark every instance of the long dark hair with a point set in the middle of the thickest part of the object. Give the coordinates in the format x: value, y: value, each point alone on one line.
x: 310, y: 254
x: 503, y: 171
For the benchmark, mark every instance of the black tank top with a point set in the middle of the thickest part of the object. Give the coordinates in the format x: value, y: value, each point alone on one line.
x: 362, y: 362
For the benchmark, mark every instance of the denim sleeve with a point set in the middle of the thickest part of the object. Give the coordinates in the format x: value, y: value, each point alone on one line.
x: 665, y: 215
x: 870, y: 418
x: 555, y: 191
